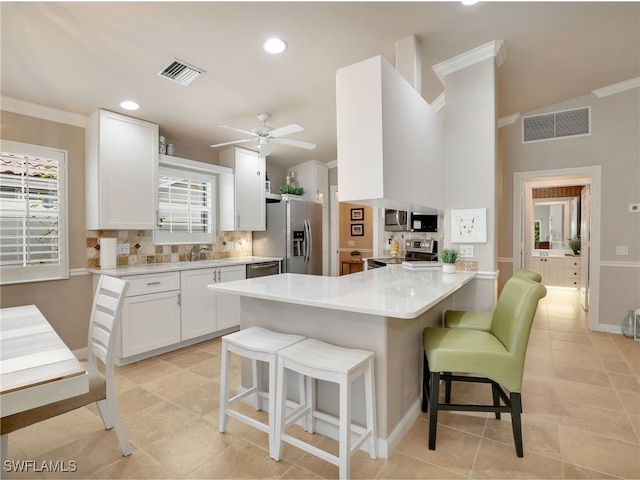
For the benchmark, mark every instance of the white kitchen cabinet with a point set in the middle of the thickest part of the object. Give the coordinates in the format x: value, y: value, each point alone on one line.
x: 204, y: 311
x: 150, y: 313
x: 390, y: 140
x: 572, y: 272
x: 551, y: 269
x: 313, y: 176
x: 121, y: 172
x: 248, y: 198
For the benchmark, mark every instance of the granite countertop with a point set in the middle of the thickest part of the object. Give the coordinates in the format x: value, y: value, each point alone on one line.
x: 178, y: 266
x: 392, y: 291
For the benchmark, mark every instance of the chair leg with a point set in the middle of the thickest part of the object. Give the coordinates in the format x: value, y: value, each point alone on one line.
x: 447, y: 390
x: 425, y: 384
x: 516, y: 410
x: 4, y: 452
x: 116, y: 416
x: 224, y: 388
x: 254, y: 377
x: 344, y: 466
x: 103, y: 408
x: 280, y: 409
x: 433, y: 409
x: 496, y: 398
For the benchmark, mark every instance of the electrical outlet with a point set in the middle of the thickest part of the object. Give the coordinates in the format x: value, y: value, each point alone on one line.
x: 466, y: 251
x: 622, y: 250
x: 230, y: 245
x: 634, y: 207
x: 122, y: 249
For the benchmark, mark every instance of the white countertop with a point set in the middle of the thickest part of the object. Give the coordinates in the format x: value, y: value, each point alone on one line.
x: 178, y: 266
x: 392, y: 291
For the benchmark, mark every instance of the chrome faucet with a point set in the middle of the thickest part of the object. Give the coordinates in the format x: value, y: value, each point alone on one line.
x: 195, y: 255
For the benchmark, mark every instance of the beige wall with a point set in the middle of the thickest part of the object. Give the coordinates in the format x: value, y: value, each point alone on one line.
x: 613, y: 144
x: 65, y: 303
x: 364, y: 244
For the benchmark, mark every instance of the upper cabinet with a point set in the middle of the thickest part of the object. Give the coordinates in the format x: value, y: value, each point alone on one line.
x: 121, y: 172
x: 390, y: 140
x: 313, y: 176
x: 248, y: 197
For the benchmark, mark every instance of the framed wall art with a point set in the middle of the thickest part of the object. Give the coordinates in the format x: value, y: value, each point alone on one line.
x: 357, y: 229
x: 469, y: 225
x: 357, y: 214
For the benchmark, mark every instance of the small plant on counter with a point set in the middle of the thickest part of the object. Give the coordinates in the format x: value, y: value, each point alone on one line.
x: 291, y: 190
x: 575, y: 244
x: 449, y: 255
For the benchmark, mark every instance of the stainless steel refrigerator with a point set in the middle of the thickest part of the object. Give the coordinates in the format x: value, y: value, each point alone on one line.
x: 294, y: 232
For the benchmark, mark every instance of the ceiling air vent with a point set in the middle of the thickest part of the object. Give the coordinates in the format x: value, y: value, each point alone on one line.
x: 180, y: 72
x: 563, y: 124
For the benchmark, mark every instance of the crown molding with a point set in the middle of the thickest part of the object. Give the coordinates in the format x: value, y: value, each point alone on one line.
x: 40, y: 111
x: 510, y: 120
x: 492, y: 49
x: 332, y: 164
x: 439, y: 102
x: 617, y: 88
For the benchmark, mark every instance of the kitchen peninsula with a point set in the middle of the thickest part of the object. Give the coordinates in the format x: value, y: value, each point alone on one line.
x: 382, y: 310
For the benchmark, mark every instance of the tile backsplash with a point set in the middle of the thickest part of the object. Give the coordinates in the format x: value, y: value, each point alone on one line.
x: 142, y: 250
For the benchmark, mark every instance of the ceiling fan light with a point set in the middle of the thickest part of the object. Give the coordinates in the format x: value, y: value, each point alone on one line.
x: 275, y: 46
x: 264, y: 147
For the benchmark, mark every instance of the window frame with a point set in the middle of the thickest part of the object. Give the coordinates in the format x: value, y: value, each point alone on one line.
x: 42, y: 273
x: 166, y: 238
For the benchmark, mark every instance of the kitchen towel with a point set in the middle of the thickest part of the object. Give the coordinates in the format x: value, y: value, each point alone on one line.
x: 108, y: 252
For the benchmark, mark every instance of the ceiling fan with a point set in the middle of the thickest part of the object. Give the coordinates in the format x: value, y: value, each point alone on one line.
x: 265, y: 135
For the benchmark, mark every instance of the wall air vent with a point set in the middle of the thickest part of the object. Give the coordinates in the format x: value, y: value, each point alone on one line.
x: 548, y: 126
x: 180, y: 72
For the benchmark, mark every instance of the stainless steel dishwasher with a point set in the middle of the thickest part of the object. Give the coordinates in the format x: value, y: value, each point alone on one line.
x: 263, y: 269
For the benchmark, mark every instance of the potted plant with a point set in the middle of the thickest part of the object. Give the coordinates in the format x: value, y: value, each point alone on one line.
x: 449, y: 257
x: 574, y: 244
x: 291, y: 190
x: 355, y: 256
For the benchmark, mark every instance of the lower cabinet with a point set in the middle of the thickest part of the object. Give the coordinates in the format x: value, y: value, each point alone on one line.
x: 558, y: 271
x: 165, y: 309
x: 150, y: 313
x: 204, y: 311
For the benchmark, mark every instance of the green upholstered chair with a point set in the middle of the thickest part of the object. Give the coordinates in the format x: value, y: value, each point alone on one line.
x: 495, y: 357
x: 482, y: 320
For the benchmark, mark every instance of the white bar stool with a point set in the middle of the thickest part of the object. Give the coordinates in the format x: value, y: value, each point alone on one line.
x: 258, y: 344
x: 318, y: 360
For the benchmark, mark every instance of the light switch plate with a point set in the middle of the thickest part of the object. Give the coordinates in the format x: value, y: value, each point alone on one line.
x: 634, y: 207
x: 466, y: 251
x: 622, y: 250
x: 351, y: 243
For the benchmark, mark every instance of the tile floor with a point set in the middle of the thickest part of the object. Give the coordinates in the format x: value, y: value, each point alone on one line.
x: 581, y: 419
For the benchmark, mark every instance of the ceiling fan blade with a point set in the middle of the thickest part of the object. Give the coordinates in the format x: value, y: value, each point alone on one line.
x: 246, y: 132
x: 234, y: 142
x: 295, y: 143
x: 286, y: 130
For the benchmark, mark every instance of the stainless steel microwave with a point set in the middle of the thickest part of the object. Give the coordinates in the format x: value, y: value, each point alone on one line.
x: 396, y: 220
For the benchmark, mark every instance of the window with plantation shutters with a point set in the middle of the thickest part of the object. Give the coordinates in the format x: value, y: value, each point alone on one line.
x: 185, y: 207
x: 33, y: 228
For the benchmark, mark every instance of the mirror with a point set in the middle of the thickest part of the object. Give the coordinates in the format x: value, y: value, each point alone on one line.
x: 554, y: 221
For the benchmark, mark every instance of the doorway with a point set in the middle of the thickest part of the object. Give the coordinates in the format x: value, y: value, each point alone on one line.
x: 525, y: 243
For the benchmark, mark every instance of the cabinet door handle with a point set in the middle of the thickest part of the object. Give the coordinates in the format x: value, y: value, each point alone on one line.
x: 153, y: 283
x: 218, y: 275
x: 238, y: 221
x: 179, y: 299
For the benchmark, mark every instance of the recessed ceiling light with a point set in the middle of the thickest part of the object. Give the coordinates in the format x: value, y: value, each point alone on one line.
x: 129, y: 105
x: 275, y: 45
x: 469, y: 2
